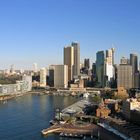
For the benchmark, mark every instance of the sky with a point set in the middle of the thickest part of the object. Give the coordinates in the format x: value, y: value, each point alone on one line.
x: 37, y: 30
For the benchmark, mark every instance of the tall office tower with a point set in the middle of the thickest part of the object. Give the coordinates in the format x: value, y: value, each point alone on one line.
x: 35, y: 69
x: 100, y: 68
x: 134, y: 64
x: 86, y: 63
x: 110, y: 56
x: 43, y: 77
x: 72, y: 59
x: 109, y: 67
x: 124, y: 76
x: 69, y: 60
x: 61, y: 76
x: 76, y: 68
x: 94, y: 69
x: 51, y: 76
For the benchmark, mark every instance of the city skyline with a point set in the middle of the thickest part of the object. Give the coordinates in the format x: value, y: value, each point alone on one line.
x: 34, y: 31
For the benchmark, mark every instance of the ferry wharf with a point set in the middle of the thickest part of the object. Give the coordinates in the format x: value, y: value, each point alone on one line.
x: 74, y: 130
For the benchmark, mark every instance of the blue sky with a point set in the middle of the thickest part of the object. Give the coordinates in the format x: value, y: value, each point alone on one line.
x: 37, y: 30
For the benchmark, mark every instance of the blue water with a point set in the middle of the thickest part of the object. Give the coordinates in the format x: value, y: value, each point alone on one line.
x: 24, y: 117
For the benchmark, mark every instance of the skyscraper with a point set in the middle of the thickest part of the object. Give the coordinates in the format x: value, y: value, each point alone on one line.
x: 43, y: 77
x: 109, y: 67
x: 124, y: 76
x: 134, y: 64
x: 69, y: 60
x: 72, y: 59
x: 86, y: 63
x: 51, y: 76
x: 100, y: 68
x: 61, y: 76
x: 76, y: 68
x: 110, y: 56
x: 94, y: 69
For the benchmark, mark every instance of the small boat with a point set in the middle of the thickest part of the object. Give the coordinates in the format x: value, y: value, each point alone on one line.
x: 5, y: 102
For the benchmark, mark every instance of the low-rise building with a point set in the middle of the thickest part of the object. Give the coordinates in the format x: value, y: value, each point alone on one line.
x: 128, y: 106
x: 20, y: 87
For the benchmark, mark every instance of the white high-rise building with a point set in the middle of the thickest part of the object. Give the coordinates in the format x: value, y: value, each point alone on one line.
x: 61, y: 76
x: 35, y: 68
x: 43, y: 77
x: 109, y: 65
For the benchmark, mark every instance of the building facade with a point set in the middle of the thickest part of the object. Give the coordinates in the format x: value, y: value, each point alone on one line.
x: 128, y: 106
x: 51, y: 76
x: 86, y: 63
x: 61, y: 76
x: 134, y: 64
x: 23, y: 86
x: 100, y: 68
x: 109, y: 72
x: 43, y: 77
x: 76, y: 68
x: 72, y: 59
x: 124, y: 78
x: 69, y: 60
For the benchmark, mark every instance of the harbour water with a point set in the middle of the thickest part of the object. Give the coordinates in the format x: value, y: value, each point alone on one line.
x: 24, y: 117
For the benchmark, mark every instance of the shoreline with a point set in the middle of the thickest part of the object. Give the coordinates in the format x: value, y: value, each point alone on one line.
x: 38, y: 93
x: 11, y: 96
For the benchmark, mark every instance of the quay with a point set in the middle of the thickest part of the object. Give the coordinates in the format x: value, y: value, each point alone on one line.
x: 73, y: 129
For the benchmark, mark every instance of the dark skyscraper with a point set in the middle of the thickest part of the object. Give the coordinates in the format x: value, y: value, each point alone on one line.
x: 94, y: 69
x: 134, y: 64
x: 86, y: 63
x: 100, y: 67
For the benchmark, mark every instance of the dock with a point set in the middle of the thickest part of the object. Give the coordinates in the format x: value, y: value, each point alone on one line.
x: 70, y: 129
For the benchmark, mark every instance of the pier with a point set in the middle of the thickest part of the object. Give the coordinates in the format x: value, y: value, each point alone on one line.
x: 71, y: 129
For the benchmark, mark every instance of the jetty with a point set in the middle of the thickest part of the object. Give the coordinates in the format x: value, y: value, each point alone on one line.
x: 70, y: 129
